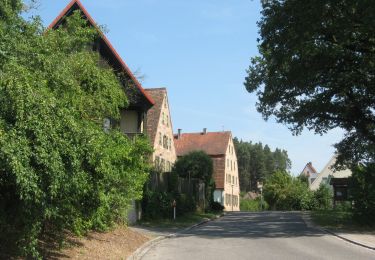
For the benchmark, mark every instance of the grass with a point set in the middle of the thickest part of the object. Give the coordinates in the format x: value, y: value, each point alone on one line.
x: 333, y: 218
x: 339, y: 220
x: 181, y: 221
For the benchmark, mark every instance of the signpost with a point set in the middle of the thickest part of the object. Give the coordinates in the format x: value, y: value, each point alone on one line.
x: 174, y: 209
x: 260, y: 186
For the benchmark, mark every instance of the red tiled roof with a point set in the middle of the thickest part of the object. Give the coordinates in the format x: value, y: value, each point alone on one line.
x: 153, y: 114
x: 78, y: 4
x: 212, y: 143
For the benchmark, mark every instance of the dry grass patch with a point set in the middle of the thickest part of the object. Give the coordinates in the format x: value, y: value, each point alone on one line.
x: 116, y: 244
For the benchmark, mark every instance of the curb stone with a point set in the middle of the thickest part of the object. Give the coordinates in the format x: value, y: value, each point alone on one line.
x: 307, y: 219
x: 141, y: 251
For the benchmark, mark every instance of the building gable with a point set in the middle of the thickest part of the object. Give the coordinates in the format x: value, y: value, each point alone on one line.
x: 159, y: 128
x: 136, y: 95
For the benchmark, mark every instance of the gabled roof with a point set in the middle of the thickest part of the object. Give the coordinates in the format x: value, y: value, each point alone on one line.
x: 310, y: 167
x: 212, y: 143
x: 329, y: 171
x: 77, y: 5
x: 153, y: 114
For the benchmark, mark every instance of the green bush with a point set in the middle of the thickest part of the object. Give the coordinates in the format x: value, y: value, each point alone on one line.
x: 253, y: 205
x: 185, y: 204
x: 157, y: 205
x: 323, y: 197
x: 362, y: 192
x: 284, y: 192
x: 59, y: 171
x: 216, y: 206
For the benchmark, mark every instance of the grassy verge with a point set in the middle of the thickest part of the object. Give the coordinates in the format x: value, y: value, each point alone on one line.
x: 339, y: 220
x: 180, y: 222
x: 333, y: 219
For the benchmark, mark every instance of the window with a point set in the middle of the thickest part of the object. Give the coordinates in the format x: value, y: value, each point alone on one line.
x: 160, y: 139
x: 167, y: 121
x: 165, y: 142
x: 234, y: 165
x: 162, y: 165
x: 228, y: 163
x: 312, y: 180
x: 162, y: 118
x: 231, y: 165
x: 233, y: 179
x: 325, y: 180
x: 157, y: 160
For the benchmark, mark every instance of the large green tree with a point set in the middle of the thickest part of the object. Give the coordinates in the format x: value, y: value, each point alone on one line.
x: 316, y: 69
x: 58, y: 169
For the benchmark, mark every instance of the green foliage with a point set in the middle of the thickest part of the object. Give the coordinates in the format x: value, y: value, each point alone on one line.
x: 362, y: 192
x: 195, y: 164
x: 185, y: 204
x: 158, y: 205
x: 284, y: 192
x: 253, y: 205
x: 256, y: 163
x: 313, y: 53
x: 323, y: 197
x: 58, y: 169
x: 198, y: 165
x: 216, y: 206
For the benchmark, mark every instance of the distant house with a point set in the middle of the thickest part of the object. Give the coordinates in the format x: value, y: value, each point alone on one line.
x: 327, y: 174
x: 219, y: 146
x: 309, y: 172
x: 134, y: 116
x: 160, y: 131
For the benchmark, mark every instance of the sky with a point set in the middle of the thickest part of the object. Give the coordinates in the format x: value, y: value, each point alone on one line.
x: 200, y: 51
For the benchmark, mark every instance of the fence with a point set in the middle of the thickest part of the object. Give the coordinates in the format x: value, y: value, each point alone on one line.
x: 162, y: 182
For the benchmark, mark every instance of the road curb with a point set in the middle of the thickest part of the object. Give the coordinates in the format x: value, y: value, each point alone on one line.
x: 348, y: 240
x: 141, y: 251
x: 307, y: 219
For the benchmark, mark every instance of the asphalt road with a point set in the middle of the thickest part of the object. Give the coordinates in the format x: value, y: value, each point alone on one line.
x: 265, y: 235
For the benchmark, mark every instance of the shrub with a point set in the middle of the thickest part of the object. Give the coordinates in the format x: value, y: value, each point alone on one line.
x: 253, y: 205
x: 284, y: 192
x: 323, y: 197
x: 216, y: 206
x: 362, y: 192
x: 185, y: 204
x: 156, y: 205
x: 58, y: 169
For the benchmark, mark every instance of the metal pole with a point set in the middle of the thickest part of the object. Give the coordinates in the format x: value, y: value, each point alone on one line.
x: 174, y: 213
x: 261, y: 199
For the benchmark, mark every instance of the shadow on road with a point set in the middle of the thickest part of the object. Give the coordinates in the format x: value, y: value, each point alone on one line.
x: 255, y: 225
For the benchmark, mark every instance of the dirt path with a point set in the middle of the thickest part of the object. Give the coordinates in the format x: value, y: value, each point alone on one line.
x: 116, y: 244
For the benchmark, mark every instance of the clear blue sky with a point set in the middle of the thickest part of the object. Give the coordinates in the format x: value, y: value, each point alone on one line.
x: 199, y: 50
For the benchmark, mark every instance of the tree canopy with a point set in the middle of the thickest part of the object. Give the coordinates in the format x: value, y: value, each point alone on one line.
x: 195, y: 164
x: 316, y: 69
x: 58, y: 169
x: 256, y: 162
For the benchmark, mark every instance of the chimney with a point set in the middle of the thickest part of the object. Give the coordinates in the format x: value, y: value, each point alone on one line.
x: 179, y: 133
x: 204, y: 131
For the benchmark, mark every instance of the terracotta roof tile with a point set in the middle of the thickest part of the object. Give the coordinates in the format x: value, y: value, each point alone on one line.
x: 212, y: 143
x: 153, y: 114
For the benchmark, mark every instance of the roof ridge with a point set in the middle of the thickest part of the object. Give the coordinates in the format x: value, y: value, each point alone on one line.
x: 151, y: 89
